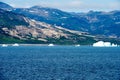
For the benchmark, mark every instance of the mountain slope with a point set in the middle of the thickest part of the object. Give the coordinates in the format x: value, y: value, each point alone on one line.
x: 103, y: 23
x: 54, y: 17
x: 25, y: 30
x: 96, y: 23
x: 5, y: 6
x: 13, y: 18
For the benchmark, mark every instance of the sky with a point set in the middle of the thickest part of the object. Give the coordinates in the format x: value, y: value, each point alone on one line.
x: 69, y: 5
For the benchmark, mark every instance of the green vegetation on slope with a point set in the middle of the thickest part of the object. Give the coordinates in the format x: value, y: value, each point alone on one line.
x: 5, y: 39
x: 9, y: 19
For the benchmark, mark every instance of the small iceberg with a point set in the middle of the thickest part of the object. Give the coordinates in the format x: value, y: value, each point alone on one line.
x: 4, y: 45
x: 104, y: 44
x: 107, y: 44
x: 50, y: 44
x: 114, y: 45
x: 15, y: 44
x: 98, y: 44
x: 77, y: 45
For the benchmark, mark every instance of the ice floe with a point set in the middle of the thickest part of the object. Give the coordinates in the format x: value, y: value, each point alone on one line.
x: 50, y: 44
x: 104, y: 44
x: 77, y: 45
x: 4, y: 45
x: 15, y: 44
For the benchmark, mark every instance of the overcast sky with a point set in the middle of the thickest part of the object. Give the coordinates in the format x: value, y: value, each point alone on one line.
x: 69, y: 5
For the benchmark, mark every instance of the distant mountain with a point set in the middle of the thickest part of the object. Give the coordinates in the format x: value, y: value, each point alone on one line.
x: 103, y: 23
x: 20, y: 29
x: 11, y: 19
x: 5, y: 6
x: 54, y: 17
x: 96, y: 23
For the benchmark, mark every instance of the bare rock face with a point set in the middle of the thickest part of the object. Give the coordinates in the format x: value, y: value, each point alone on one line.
x: 36, y: 30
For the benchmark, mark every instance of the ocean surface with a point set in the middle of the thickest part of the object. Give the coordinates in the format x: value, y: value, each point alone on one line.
x: 59, y: 63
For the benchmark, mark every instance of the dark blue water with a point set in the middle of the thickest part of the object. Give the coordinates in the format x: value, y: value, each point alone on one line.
x: 59, y: 63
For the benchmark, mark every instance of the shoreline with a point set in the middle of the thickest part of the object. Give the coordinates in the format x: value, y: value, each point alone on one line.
x: 55, y: 45
x: 46, y: 45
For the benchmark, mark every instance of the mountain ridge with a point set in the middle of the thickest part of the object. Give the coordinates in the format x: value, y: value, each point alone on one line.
x: 5, y: 6
x: 95, y: 23
x: 32, y: 31
x: 101, y: 25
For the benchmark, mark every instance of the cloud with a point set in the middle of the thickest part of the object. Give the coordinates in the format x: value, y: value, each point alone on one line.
x: 66, y: 5
x: 19, y: 6
x: 69, y: 5
x: 75, y: 3
x: 81, y: 5
x: 102, y: 6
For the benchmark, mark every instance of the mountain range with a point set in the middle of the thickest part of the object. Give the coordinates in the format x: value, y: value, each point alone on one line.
x: 48, y: 25
x: 96, y: 23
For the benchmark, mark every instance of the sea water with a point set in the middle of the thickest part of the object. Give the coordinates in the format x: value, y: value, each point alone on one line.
x: 59, y: 63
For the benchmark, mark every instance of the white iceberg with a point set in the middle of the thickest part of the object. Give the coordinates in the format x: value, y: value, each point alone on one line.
x: 107, y: 44
x: 51, y: 45
x: 99, y: 44
x: 77, y: 45
x: 15, y: 44
x: 104, y: 44
x: 4, y: 45
x: 114, y: 45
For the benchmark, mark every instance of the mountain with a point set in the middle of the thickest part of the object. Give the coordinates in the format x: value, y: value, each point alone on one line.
x: 20, y: 29
x: 103, y: 23
x: 95, y: 23
x: 54, y: 17
x: 5, y: 6
x: 13, y: 18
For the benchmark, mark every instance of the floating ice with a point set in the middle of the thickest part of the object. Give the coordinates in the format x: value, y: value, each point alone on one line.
x: 4, y: 45
x: 51, y: 45
x: 104, y: 44
x: 114, y: 45
x: 107, y: 44
x: 77, y: 45
x: 15, y: 44
x: 99, y: 44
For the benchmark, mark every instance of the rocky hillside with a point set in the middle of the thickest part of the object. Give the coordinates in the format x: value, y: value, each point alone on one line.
x: 95, y: 23
x: 11, y: 19
x: 25, y: 30
x: 54, y: 17
x: 103, y: 23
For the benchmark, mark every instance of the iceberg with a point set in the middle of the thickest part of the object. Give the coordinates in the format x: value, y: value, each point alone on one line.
x: 15, y: 44
x: 77, y: 45
x: 4, y: 45
x: 107, y: 44
x: 104, y: 44
x: 51, y: 45
x: 98, y: 44
x: 114, y: 45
